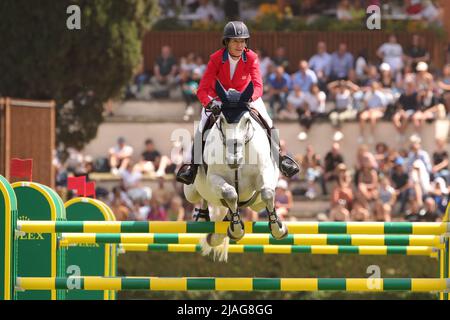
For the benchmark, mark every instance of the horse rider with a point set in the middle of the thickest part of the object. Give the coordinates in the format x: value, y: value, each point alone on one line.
x: 234, y: 66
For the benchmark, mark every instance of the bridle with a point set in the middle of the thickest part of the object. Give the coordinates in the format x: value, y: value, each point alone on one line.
x: 218, y: 124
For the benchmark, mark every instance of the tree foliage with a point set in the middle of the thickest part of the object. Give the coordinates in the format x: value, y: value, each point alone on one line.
x: 41, y: 58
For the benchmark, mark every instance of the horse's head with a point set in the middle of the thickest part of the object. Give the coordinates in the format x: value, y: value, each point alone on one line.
x: 235, y: 123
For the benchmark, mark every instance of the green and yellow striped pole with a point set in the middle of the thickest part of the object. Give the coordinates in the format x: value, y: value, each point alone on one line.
x: 444, y: 256
x: 292, y: 239
x: 234, y: 284
x: 413, y: 228
x: 289, y: 249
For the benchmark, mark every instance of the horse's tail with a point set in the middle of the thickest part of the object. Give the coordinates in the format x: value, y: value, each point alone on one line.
x: 220, y: 251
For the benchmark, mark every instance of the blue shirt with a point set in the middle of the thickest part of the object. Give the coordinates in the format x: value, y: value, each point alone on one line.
x: 340, y: 65
x: 304, y: 80
x: 275, y: 83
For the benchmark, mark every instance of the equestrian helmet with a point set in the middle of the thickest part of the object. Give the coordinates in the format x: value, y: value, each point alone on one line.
x: 235, y: 30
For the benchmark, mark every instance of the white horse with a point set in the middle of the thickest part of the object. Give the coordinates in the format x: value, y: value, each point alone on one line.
x: 241, y: 172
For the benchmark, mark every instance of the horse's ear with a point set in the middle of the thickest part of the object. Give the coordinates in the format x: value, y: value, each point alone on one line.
x: 221, y: 91
x: 246, y: 95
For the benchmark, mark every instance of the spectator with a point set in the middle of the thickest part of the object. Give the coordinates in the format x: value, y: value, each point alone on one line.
x: 416, y: 52
x: 444, y: 87
x: 386, y: 200
x: 381, y: 156
x: 320, y: 63
x: 363, y: 155
x: 140, y: 77
x: 344, y: 11
x: 164, y: 70
x: 176, y: 212
x: 200, y: 65
x: 152, y: 161
x: 332, y: 159
x: 120, y: 156
x: 121, y: 212
x: 317, y: 101
x: 388, y: 87
x: 407, y: 105
x: 343, y: 107
x: 441, y: 167
x: 297, y: 103
x: 424, y: 79
x: 401, y: 183
x: 157, y: 211
x: 430, y: 107
x: 279, y: 83
x: 304, y: 106
x: 280, y: 58
x: 207, y: 12
x: 367, y: 183
x: 417, y: 153
x: 341, y: 63
x: 313, y: 171
x: 361, y: 64
x: 283, y: 200
x: 420, y: 181
x: 375, y: 106
x: 187, y: 64
x: 432, y: 13
x: 265, y: 64
x: 391, y: 52
x: 436, y: 201
x: 342, y: 196
x: 162, y: 193
x: 132, y: 183
x: 304, y: 77
x: 189, y: 85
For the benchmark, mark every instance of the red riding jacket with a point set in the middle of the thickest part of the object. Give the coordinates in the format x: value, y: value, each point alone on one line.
x: 218, y: 68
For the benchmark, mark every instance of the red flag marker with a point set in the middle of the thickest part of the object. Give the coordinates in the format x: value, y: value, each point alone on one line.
x: 21, y: 168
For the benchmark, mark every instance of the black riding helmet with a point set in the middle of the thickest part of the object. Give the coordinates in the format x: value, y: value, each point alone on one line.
x: 235, y: 30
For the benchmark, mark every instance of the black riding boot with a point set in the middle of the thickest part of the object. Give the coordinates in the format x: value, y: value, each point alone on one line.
x: 288, y: 166
x: 188, y: 172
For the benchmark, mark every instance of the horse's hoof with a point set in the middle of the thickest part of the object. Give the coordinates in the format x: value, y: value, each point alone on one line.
x: 278, y: 230
x: 214, y: 240
x: 236, y: 231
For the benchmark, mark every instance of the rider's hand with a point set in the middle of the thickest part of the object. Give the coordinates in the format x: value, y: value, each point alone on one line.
x: 215, y: 107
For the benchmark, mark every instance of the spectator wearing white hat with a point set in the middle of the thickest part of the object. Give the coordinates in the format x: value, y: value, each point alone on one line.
x: 283, y: 199
x: 424, y: 79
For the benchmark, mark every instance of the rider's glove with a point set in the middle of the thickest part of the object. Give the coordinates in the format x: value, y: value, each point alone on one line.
x: 215, y: 107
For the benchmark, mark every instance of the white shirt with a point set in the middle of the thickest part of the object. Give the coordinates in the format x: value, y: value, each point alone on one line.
x: 126, y: 151
x: 233, y: 64
x: 392, y: 55
x: 321, y: 62
x: 297, y: 101
x: 316, y: 103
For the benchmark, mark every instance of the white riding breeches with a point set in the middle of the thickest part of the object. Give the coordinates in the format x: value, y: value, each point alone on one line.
x: 257, y: 104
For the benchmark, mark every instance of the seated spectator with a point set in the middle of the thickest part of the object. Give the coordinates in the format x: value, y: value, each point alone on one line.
x: 176, y: 212
x: 120, y: 156
x: 207, y: 12
x: 416, y: 52
x: 332, y: 159
x: 363, y: 155
x: 342, y: 196
x: 361, y: 65
x: 401, y: 183
x: 444, y: 87
x: 132, y: 183
x: 367, y: 184
x: 306, y: 106
x: 344, y: 11
x: 313, y: 171
x: 381, y: 156
x: 121, y: 212
x: 424, y: 79
x: 187, y: 64
x: 430, y: 107
x: 441, y: 167
x: 418, y: 153
x: 317, y: 101
x: 391, y: 52
x: 152, y: 161
x: 375, y: 106
x: 283, y: 200
x: 164, y: 70
x: 297, y: 99
x: 388, y: 87
x: 279, y: 84
x: 436, y: 202
x: 280, y: 58
x: 386, y: 200
x: 304, y: 77
x: 162, y: 193
x: 189, y: 85
x: 200, y: 65
x: 157, y: 211
x: 320, y: 63
x: 407, y: 105
x: 420, y: 181
x: 343, y: 107
x: 341, y: 63
x: 265, y: 64
x: 140, y: 77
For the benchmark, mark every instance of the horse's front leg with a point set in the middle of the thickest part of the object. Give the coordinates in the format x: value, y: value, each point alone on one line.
x: 223, y: 190
x: 277, y: 228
